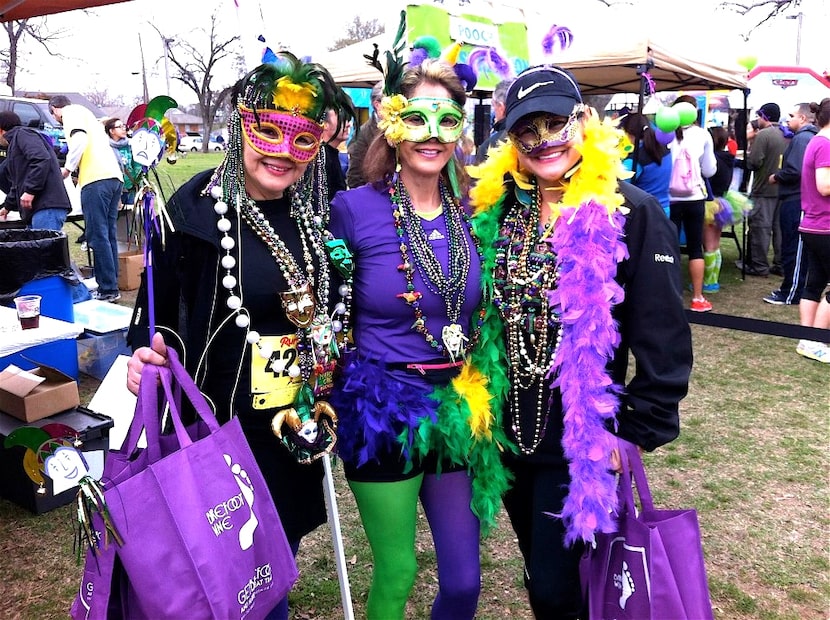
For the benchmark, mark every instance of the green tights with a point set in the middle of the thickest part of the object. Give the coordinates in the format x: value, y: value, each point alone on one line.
x: 389, y: 514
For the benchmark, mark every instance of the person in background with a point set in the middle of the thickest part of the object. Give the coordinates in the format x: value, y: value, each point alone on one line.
x: 688, y: 211
x: 763, y: 159
x: 788, y: 211
x: 100, y: 180
x: 355, y: 176
x: 653, y: 168
x: 814, y: 308
x: 567, y: 312
x: 415, y: 411
x: 731, y: 143
x: 32, y: 173
x: 334, y: 134
x: 120, y: 143
x: 752, y: 129
x: 245, y: 235
x: 717, y: 211
x: 498, y: 133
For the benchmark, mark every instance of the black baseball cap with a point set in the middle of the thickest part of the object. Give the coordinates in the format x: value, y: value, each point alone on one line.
x: 541, y: 89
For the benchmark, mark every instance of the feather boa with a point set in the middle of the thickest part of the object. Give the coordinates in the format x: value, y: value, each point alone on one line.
x: 458, y: 423
x: 588, y: 241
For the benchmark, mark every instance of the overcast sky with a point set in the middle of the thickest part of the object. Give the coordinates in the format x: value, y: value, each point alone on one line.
x: 101, y: 46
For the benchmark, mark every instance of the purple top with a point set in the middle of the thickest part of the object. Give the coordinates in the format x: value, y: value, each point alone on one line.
x: 383, y: 322
x: 815, y: 206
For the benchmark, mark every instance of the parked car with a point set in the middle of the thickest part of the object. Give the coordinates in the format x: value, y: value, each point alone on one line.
x: 193, y: 144
x: 35, y: 113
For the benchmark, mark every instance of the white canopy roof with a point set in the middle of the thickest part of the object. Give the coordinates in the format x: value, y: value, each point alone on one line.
x: 604, y: 56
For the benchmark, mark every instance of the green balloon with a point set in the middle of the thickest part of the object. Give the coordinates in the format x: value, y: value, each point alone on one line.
x: 667, y: 119
x: 686, y: 112
x: 748, y: 61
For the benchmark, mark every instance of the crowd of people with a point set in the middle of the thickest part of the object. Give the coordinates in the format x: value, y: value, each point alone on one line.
x: 465, y: 331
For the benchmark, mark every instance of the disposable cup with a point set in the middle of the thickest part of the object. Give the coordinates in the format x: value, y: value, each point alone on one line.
x: 28, y: 310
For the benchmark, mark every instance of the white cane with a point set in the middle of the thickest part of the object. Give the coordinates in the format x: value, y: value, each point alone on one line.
x: 337, y: 540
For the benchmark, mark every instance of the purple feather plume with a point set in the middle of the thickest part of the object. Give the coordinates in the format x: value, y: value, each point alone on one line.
x: 586, y: 293
x: 557, y: 36
x: 466, y: 75
x: 418, y: 56
x: 487, y: 61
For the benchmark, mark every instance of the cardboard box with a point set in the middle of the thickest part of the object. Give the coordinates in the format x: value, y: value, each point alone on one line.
x: 130, y: 266
x: 15, y: 485
x: 30, y: 395
x: 96, y: 353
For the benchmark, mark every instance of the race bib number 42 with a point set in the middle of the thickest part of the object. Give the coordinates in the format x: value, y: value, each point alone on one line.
x: 271, y: 384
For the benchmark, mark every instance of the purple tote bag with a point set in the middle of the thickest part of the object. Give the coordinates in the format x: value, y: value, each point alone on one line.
x: 652, y: 567
x: 202, y: 538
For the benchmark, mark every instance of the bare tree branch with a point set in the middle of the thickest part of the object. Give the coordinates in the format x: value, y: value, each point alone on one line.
x: 195, y: 69
x: 19, y: 31
x: 764, y: 10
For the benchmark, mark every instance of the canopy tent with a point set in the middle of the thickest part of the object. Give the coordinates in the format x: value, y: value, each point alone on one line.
x: 349, y: 68
x: 23, y: 9
x: 617, y: 70
x: 607, y: 56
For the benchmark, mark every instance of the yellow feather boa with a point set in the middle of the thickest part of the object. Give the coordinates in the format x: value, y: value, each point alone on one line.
x: 603, y: 150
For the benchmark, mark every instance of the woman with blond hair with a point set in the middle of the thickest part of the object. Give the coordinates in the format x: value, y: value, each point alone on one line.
x: 416, y: 417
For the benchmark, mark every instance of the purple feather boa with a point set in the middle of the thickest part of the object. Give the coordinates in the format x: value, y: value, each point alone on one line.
x: 588, y: 245
x: 377, y: 414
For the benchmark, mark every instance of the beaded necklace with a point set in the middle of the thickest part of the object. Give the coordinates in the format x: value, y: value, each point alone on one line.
x: 450, y: 287
x: 306, y: 302
x: 525, y: 270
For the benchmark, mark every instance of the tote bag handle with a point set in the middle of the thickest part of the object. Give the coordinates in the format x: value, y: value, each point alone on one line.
x: 174, y: 380
x: 632, y: 467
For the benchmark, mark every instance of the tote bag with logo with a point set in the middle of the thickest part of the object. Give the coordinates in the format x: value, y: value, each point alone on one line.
x: 201, y: 535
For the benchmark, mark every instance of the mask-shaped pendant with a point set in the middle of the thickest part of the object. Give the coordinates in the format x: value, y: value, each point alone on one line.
x: 454, y: 339
x: 299, y: 305
x: 340, y: 256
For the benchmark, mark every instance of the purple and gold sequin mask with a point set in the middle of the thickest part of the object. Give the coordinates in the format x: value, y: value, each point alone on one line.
x: 281, y: 134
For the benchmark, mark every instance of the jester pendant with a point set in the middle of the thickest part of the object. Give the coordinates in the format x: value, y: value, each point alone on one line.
x: 310, y: 426
x: 453, y: 337
x: 299, y: 305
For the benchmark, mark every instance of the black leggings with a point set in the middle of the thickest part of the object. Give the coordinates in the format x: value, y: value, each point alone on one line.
x: 551, y: 569
x: 689, y: 214
x: 817, y: 249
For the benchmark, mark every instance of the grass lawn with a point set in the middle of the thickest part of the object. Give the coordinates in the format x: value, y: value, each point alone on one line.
x: 752, y: 457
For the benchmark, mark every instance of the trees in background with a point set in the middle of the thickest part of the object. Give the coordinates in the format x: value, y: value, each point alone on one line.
x: 196, y: 65
x: 357, y: 31
x: 17, y: 32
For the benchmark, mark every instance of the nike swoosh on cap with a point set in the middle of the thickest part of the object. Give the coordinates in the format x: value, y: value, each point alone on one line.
x: 523, y: 92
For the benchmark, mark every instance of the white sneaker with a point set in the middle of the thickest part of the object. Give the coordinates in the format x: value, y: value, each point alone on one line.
x: 817, y: 351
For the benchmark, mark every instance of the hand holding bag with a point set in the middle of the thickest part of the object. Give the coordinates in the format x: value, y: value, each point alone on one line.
x: 202, y: 538
x: 652, y: 567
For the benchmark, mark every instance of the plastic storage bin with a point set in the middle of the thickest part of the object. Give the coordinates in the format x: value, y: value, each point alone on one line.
x: 96, y: 353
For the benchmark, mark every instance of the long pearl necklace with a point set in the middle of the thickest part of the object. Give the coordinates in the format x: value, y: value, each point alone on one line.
x: 314, y: 349
x: 525, y: 270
